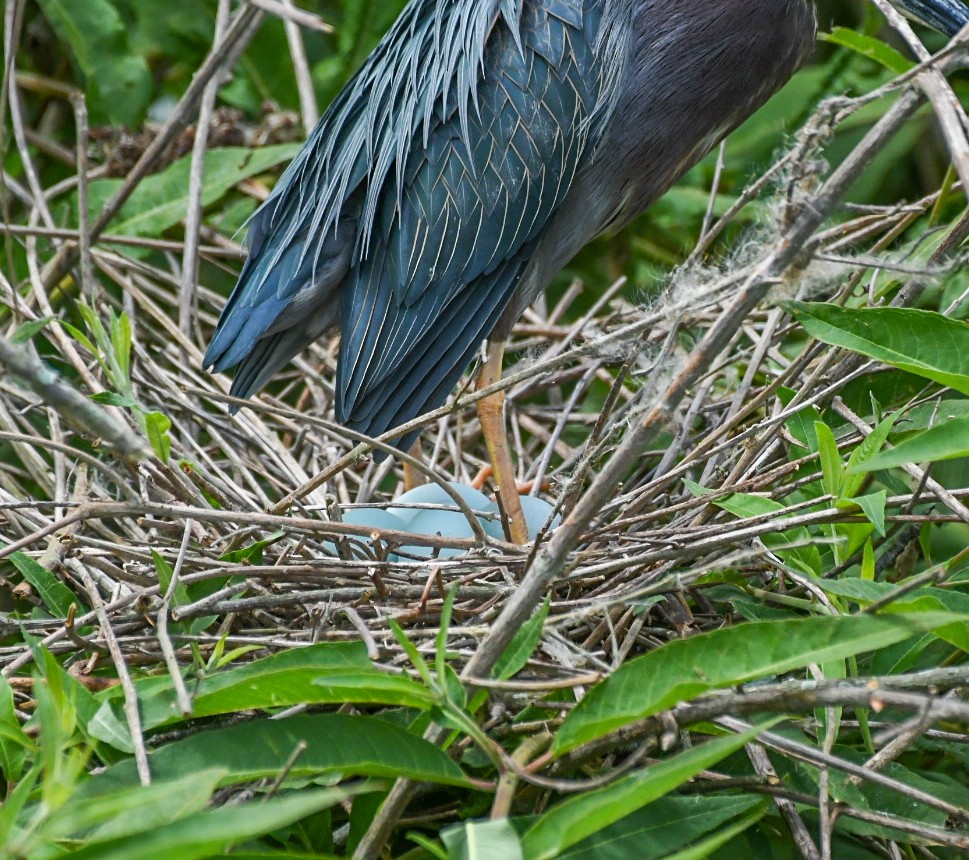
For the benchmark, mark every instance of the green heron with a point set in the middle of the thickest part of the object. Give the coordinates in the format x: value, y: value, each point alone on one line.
x: 478, y: 148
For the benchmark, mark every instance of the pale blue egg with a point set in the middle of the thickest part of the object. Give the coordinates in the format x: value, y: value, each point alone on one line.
x: 537, y: 512
x: 376, y: 518
x: 432, y: 494
x: 451, y: 523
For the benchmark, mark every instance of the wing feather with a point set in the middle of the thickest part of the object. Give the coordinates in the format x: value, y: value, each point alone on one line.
x: 478, y: 190
x: 410, y: 215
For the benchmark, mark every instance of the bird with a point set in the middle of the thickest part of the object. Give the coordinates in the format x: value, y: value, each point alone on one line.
x: 477, y: 149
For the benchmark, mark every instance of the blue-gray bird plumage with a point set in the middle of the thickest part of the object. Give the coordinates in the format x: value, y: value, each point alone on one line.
x: 479, y: 147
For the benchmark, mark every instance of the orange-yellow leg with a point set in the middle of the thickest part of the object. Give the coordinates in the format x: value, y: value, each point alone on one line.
x: 491, y: 414
x: 414, y: 477
x: 524, y: 489
x: 479, y: 480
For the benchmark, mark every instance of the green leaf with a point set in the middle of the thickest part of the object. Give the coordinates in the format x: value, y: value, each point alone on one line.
x: 14, y: 803
x: 29, y: 330
x: 869, y: 447
x: 110, y: 398
x: 75, y: 704
x: 109, y: 341
x: 133, y: 808
x: 14, y: 742
x: 712, y: 843
x: 665, y: 826
x: 868, y: 561
x: 943, y: 442
x: 160, y: 201
x: 410, y: 649
x: 330, y: 673
x: 873, y: 506
x: 870, y: 47
x: 795, y: 546
x: 119, y: 82
x: 112, y: 729
x: 748, y: 505
x: 831, y: 466
x: 523, y: 644
x: 934, y: 412
x: 685, y: 668
x: 335, y: 744
x: 801, y: 424
x: 483, y: 840
x: 165, y: 573
x: 281, y: 854
x: 121, y: 343
x: 925, y: 343
x: 924, y: 602
x: 213, y: 831
x: 80, y: 336
x: 579, y: 817
x: 57, y: 597
x: 156, y: 426
x: 252, y: 554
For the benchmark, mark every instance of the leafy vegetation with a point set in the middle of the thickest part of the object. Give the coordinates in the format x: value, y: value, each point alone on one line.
x: 748, y: 638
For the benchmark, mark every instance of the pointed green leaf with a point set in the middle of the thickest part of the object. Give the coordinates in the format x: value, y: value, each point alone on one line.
x: 945, y: 441
x: 870, y: 47
x: 868, y: 561
x: 133, y: 808
x: 925, y: 343
x: 319, y: 674
x: 110, y: 398
x: 341, y: 744
x: 921, y: 602
x: 212, y: 832
x: 707, y: 846
x: 873, y: 506
x: 665, y: 826
x: 831, y: 465
x: 156, y: 426
x: 28, y: 330
x: 801, y: 424
x: 14, y: 742
x: 795, y: 546
x: 57, y: 597
x: 118, y: 80
x: 869, y: 447
x: 685, y: 668
x: 523, y: 644
x: 580, y: 816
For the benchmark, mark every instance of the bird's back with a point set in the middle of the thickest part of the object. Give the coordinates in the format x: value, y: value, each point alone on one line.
x: 695, y: 72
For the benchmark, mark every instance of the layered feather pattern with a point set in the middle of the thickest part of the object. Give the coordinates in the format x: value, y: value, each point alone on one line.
x: 410, y: 215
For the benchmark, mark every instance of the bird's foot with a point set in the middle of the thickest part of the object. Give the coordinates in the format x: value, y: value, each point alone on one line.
x: 525, y: 488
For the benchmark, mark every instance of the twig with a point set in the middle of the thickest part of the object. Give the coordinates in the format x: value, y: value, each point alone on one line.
x: 948, y: 111
x: 117, y: 657
x: 816, y: 757
x: 193, y: 214
x: 83, y: 210
x: 802, y: 838
x: 82, y: 413
x: 304, y: 80
x: 289, y: 13
x: 171, y: 661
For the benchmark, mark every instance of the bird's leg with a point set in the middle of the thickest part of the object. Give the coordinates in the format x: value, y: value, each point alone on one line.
x: 414, y: 477
x: 491, y: 414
